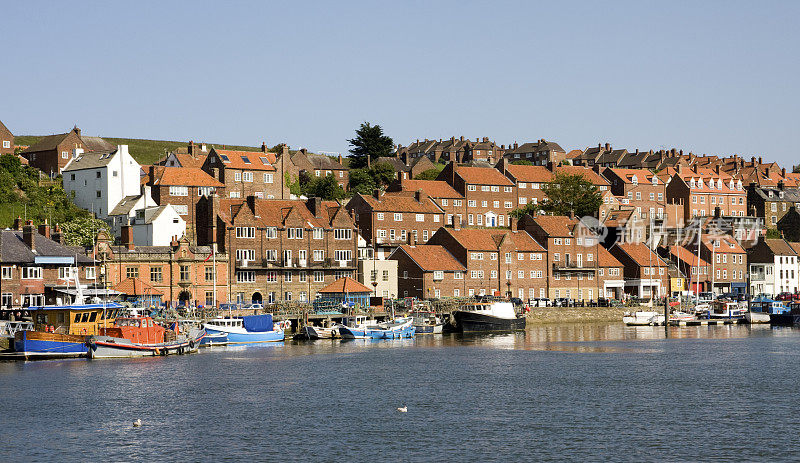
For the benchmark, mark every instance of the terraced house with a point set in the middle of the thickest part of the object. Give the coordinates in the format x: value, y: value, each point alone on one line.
x: 489, y: 196
x: 284, y: 250
x: 6, y: 140
x: 440, y: 192
x: 540, y: 152
x: 701, y: 190
x: 51, y: 154
x: 386, y: 221
x: 428, y: 271
x: 499, y: 262
x: 249, y: 173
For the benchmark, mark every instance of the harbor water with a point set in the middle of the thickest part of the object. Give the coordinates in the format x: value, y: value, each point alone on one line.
x: 598, y: 392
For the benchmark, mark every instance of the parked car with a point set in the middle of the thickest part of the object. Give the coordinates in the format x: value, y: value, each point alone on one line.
x: 254, y: 306
x: 784, y: 296
x: 603, y: 302
x: 540, y: 302
x: 517, y: 301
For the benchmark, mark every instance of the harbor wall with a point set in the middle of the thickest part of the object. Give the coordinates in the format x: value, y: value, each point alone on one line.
x: 547, y: 315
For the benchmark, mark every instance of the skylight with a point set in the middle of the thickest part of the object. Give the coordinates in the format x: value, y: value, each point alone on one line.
x: 224, y: 158
x: 246, y: 160
x: 264, y: 160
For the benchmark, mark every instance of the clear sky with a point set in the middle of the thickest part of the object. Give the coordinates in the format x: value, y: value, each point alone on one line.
x: 708, y: 77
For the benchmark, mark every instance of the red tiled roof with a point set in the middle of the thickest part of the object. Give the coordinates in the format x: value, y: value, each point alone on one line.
x: 188, y: 160
x: 605, y: 259
x: 401, y: 203
x: 487, y: 239
x: 188, y: 176
x: 433, y: 188
x: 626, y: 175
x: 531, y: 174
x: 642, y: 255
x: 687, y: 256
x: 483, y: 176
x: 430, y: 257
x: 136, y: 287
x: 258, y: 159
x: 587, y: 174
x: 345, y: 285
x: 556, y: 225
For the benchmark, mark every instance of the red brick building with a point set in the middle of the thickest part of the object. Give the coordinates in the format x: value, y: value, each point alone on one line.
x: 53, y: 152
x: 579, y: 267
x: 508, y: 263
x: 728, y: 260
x: 183, y: 187
x: 448, y: 199
x: 428, y: 271
x: 6, y: 140
x: 389, y: 220
x: 489, y: 196
x: 646, y: 273
x: 249, y: 173
x: 285, y: 250
x: 702, y: 190
x: 36, y: 269
x: 182, y: 273
x: 320, y: 165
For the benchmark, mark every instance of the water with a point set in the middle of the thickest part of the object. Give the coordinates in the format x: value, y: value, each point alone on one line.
x: 591, y: 392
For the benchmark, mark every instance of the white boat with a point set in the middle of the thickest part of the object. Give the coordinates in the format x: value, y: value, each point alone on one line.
x: 756, y: 317
x: 679, y: 316
x: 318, y: 332
x: 643, y: 318
x: 427, y: 323
x: 731, y: 310
x: 245, y: 330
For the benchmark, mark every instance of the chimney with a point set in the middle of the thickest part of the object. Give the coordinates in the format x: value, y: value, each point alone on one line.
x: 191, y: 147
x: 376, y: 193
x: 56, y: 236
x: 781, y: 185
x: 369, y: 161
x: 516, y: 145
x: 512, y: 223
x: 550, y: 166
x: 608, y: 146
x: 637, y: 150
x: 340, y: 159
x: 263, y: 147
x: 461, y: 138
x: 77, y: 131
x: 285, y: 150
x: 783, y: 172
x: 768, y: 171
x: 420, y: 196
x: 315, y: 204
x: 760, y: 160
x: 571, y: 214
x: 29, y: 235
x: 44, y: 229
x: 716, y: 169
x: 18, y: 223
x: 126, y: 237
x: 251, y: 203
x: 679, y: 168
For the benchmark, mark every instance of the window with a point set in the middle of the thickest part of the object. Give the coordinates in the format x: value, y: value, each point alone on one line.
x: 425, y: 235
x: 471, y: 188
x: 457, y: 203
x: 7, y: 273
x: 209, y: 272
x: 458, y: 275
x: 205, y: 190
x: 398, y: 216
x: 237, y: 176
x: 444, y: 202
x: 319, y: 276
x: 247, y: 176
x: 236, y: 194
x: 156, y: 275
x: 246, y: 254
x: 294, y: 233
x: 178, y: 191
x: 520, y: 273
x: 132, y: 272
x: 485, y: 188
x: 319, y: 255
x: 181, y: 209
x: 66, y: 273
x: 90, y: 273
x: 520, y: 256
x: 7, y: 300
x: 210, y: 297
x: 271, y: 255
x: 6, y: 144
x: 287, y: 276
x: 245, y: 276
x: 245, y: 232
x: 438, y: 275
x: 420, y: 217
x: 99, y: 194
x: 272, y: 276
x: 268, y: 178
x: 471, y: 203
x: 184, y: 273
x: 341, y: 233
x: 343, y: 255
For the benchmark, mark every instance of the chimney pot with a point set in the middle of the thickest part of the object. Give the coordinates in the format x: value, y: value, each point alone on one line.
x: 29, y: 235
x: 44, y: 229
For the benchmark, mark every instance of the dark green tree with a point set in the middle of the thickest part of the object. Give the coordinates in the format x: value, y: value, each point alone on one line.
x: 371, y: 142
x: 429, y: 174
x: 522, y: 162
x: 324, y: 187
x: 565, y: 194
x: 361, y: 182
x: 382, y: 173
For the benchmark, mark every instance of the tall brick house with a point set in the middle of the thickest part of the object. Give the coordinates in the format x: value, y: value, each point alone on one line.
x: 36, y: 269
x: 728, y: 260
x: 386, y: 221
x: 448, y: 199
x: 428, y: 271
x: 6, y: 140
x: 284, y: 250
x: 646, y: 273
x: 700, y: 191
x: 500, y: 262
x: 579, y: 267
x: 52, y: 153
x: 182, y: 273
x: 540, y: 152
x: 249, y: 173
x: 489, y: 195
x: 642, y: 188
x: 183, y: 187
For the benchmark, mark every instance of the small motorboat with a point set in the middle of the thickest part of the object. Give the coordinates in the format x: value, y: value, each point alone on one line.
x: 395, y: 329
x: 643, y: 318
x: 679, y: 316
x: 488, y: 316
x: 427, y: 323
x: 249, y: 329
x: 318, y: 332
x: 141, y: 336
x: 724, y: 309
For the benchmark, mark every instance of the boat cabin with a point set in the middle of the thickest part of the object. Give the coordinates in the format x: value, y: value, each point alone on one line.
x: 140, y: 330
x: 83, y: 319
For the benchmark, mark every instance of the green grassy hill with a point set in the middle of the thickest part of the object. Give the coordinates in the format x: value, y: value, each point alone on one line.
x: 144, y: 151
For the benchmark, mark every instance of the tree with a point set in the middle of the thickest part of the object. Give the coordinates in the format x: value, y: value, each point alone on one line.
x: 382, y: 173
x: 81, y: 231
x: 369, y: 142
x: 429, y: 174
x: 522, y: 162
x: 361, y: 182
x: 565, y: 194
x: 324, y: 187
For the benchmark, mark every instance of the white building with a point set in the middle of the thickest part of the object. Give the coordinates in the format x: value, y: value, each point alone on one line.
x: 101, y: 179
x: 155, y: 226
x: 773, y: 267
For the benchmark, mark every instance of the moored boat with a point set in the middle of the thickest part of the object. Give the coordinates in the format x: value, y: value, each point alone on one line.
x: 488, y: 316
x: 724, y: 309
x: 140, y: 336
x: 395, y: 329
x: 318, y: 332
x: 643, y: 318
x: 427, y: 323
x: 245, y: 330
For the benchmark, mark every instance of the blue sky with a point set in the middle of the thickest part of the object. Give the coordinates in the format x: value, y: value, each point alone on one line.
x: 708, y: 77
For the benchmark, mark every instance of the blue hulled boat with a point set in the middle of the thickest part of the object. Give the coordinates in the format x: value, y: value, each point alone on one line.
x: 245, y: 330
x: 398, y: 328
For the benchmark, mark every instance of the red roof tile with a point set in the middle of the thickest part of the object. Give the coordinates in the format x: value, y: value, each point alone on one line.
x: 433, y: 188
x: 345, y: 285
x: 188, y: 176
x: 642, y: 255
x: 136, y: 287
x: 483, y: 176
x: 487, y: 239
x: 431, y: 257
x: 237, y: 159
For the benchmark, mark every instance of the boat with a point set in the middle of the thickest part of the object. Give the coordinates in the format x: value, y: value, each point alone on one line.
x: 488, y: 316
x: 756, y: 317
x: 318, y: 332
x: 141, y: 336
x: 725, y: 309
x: 245, y: 330
x: 643, y: 318
x: 426, y: 323
x: 777, y: 311
x: 395, y: 329
x: 680, y: 316
x: 68, y: 325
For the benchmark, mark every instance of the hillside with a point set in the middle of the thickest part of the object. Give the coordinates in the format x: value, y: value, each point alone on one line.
x: 144, y: 151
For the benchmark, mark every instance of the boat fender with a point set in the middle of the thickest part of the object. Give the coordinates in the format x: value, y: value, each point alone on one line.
x: 191, y: 344
x: 157, y: 352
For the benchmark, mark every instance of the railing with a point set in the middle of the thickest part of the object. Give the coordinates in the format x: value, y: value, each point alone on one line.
x: 573, y: 266
x: 9, y: 329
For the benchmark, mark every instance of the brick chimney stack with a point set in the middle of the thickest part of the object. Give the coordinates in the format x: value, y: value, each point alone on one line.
x: 56, y: 235
x: 376, y: 193
x: 18, y: 223
x: 263, y: 147
x: 420, y: 196
x: 29, y: 235
x: 44, y: 229
x: 126, y: 237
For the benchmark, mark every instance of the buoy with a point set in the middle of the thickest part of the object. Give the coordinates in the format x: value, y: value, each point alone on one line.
x: 402, y: 409
x: 137, y: 423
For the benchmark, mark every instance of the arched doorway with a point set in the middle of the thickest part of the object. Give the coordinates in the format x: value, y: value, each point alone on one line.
x: 184, y: 298
x: 491, y: 219
x: 257, y: 298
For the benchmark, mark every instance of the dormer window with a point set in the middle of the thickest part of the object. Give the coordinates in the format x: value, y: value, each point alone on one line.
x: 634, y: 180
x: 693, y: 183
x: 719, y: 183
x: 711, y: 183
x: 655, y: 180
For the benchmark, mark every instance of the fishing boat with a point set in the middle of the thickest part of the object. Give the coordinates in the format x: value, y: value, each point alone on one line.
x: 245, y: 330
x: 488, y: 316
x: 319, y: 332
x: 725, y: 309
x: 395, y: 329
x: 60, y: 331
x: 643, y: 318
x: 426, y: 323
x: 141, y: 336
x: 777, y: 311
